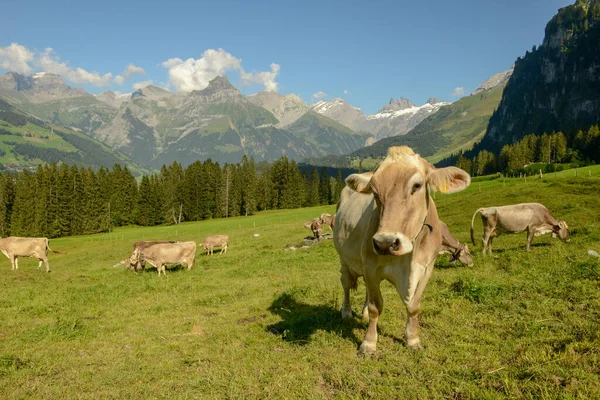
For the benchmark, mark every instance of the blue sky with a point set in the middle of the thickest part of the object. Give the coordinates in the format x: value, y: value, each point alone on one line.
x: 365, y: 52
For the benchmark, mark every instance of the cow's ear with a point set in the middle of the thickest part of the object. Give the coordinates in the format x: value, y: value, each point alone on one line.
x: 563, y: 225
x: 449, y: 180
x: 359, y: 183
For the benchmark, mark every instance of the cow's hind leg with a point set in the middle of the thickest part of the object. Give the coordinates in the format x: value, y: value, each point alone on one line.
x: 40, y: 262
x: 487, y: 234
x: 47, y: 265
x: 349, y: 281
x: 12, y: 263
x: 530, y: 235
x: 16, y: 262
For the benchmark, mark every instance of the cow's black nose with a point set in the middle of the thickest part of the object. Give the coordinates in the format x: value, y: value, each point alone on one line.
x: 386, y: 244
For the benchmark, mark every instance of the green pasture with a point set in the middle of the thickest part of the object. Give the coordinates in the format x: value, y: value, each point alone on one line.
x: 264, y: 322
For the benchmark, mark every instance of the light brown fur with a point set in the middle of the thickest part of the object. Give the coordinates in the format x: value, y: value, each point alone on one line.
x: 387, y: 227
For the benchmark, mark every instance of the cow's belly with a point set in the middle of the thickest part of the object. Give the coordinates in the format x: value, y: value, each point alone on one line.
x: 511, y: 226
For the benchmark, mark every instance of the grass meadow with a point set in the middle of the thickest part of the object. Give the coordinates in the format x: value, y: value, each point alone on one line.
x: 264, y: 322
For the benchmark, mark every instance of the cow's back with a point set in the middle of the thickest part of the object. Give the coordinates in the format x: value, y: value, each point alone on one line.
x: 22, y: 246
x: 216, y: 240
x: 170, y: 252
x: 517, y: 217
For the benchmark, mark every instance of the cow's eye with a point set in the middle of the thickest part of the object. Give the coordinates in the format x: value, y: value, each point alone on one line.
x: 416, y: 187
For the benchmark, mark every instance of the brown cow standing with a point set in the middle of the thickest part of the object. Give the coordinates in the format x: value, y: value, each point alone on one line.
x: 15, y: 247
x: 141, y: 245
x: 211, y: 242
x: 531, y: 217
x: 161, y: 254
x: 451, y: 245
x: 387, y: 227
x: 328, y: 219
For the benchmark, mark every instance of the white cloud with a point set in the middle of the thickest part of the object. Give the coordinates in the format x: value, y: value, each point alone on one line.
x: 142, y: 84
x: 49, y: 62
x: 318, y: 95
x: 119, y: 80
x: 458, y: 91
x: 16, y: 58
x: 346, y: 91
x: 267, y: 79
x: 133, y: 70
x: 193, y: 74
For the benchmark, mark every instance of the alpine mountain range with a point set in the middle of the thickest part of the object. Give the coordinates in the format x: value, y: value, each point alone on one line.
x: 153, y: 126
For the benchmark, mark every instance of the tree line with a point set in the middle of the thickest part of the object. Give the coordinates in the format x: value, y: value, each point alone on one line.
x: 580, y: 148
x: 55, y: 201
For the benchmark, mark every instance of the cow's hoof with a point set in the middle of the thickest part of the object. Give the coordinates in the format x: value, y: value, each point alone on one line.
x: 367, y: 349
x: 416, y: 345
x: 347, y: 314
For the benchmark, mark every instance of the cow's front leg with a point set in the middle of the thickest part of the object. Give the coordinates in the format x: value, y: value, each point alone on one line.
x: 375, y: 308
x: 12, y: 263
x: 16, y: 262
x: 365, y: 312
x: 346, y: 279
x: 419, y: 278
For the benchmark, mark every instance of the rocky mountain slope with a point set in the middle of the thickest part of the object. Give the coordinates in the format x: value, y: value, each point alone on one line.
x: 26, y: 142
x: 154, y: 126
x: 454, y: 127
x: 555, y: 87
x: 397, y: 117
x: 499, y: 79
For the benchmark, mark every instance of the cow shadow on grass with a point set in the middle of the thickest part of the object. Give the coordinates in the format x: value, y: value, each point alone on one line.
x: 300, y: 321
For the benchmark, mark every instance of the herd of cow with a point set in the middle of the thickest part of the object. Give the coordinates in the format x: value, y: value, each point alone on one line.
x: 386, y: 227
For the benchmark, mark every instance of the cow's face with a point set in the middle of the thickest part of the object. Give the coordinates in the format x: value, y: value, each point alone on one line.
x: 135, y: 260
x: 465, y: 256
x: 399, y: 185
x: 561, y: 230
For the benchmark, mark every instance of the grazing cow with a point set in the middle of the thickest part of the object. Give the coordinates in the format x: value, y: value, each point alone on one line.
x: 316, y: 226
x: 328, y: 219
x: 531, y: 217
x: 161, y: 254
x: 387, y: 227
x: 451, y: 245
x: 15, y: 247
x: 211, y: 242
x: 141, y: 245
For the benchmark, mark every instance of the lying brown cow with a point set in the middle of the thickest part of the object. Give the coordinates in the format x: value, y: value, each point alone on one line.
x: 387, y: 227
x: 211, y: 242
x: 531, y: 217
x: 161, y: 254
x: 15, y: 247
x: 451, y: 245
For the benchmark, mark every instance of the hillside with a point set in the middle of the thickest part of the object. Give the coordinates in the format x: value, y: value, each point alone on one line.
x: 515, y: 325
x: 26, y: 142
x: 454, y: 127
x: 556, y: 86
x: 397, y: 117
x: 155, y: 127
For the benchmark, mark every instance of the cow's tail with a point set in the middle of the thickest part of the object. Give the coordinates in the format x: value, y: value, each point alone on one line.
x: 472, y: 221
x: 54, y: 251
